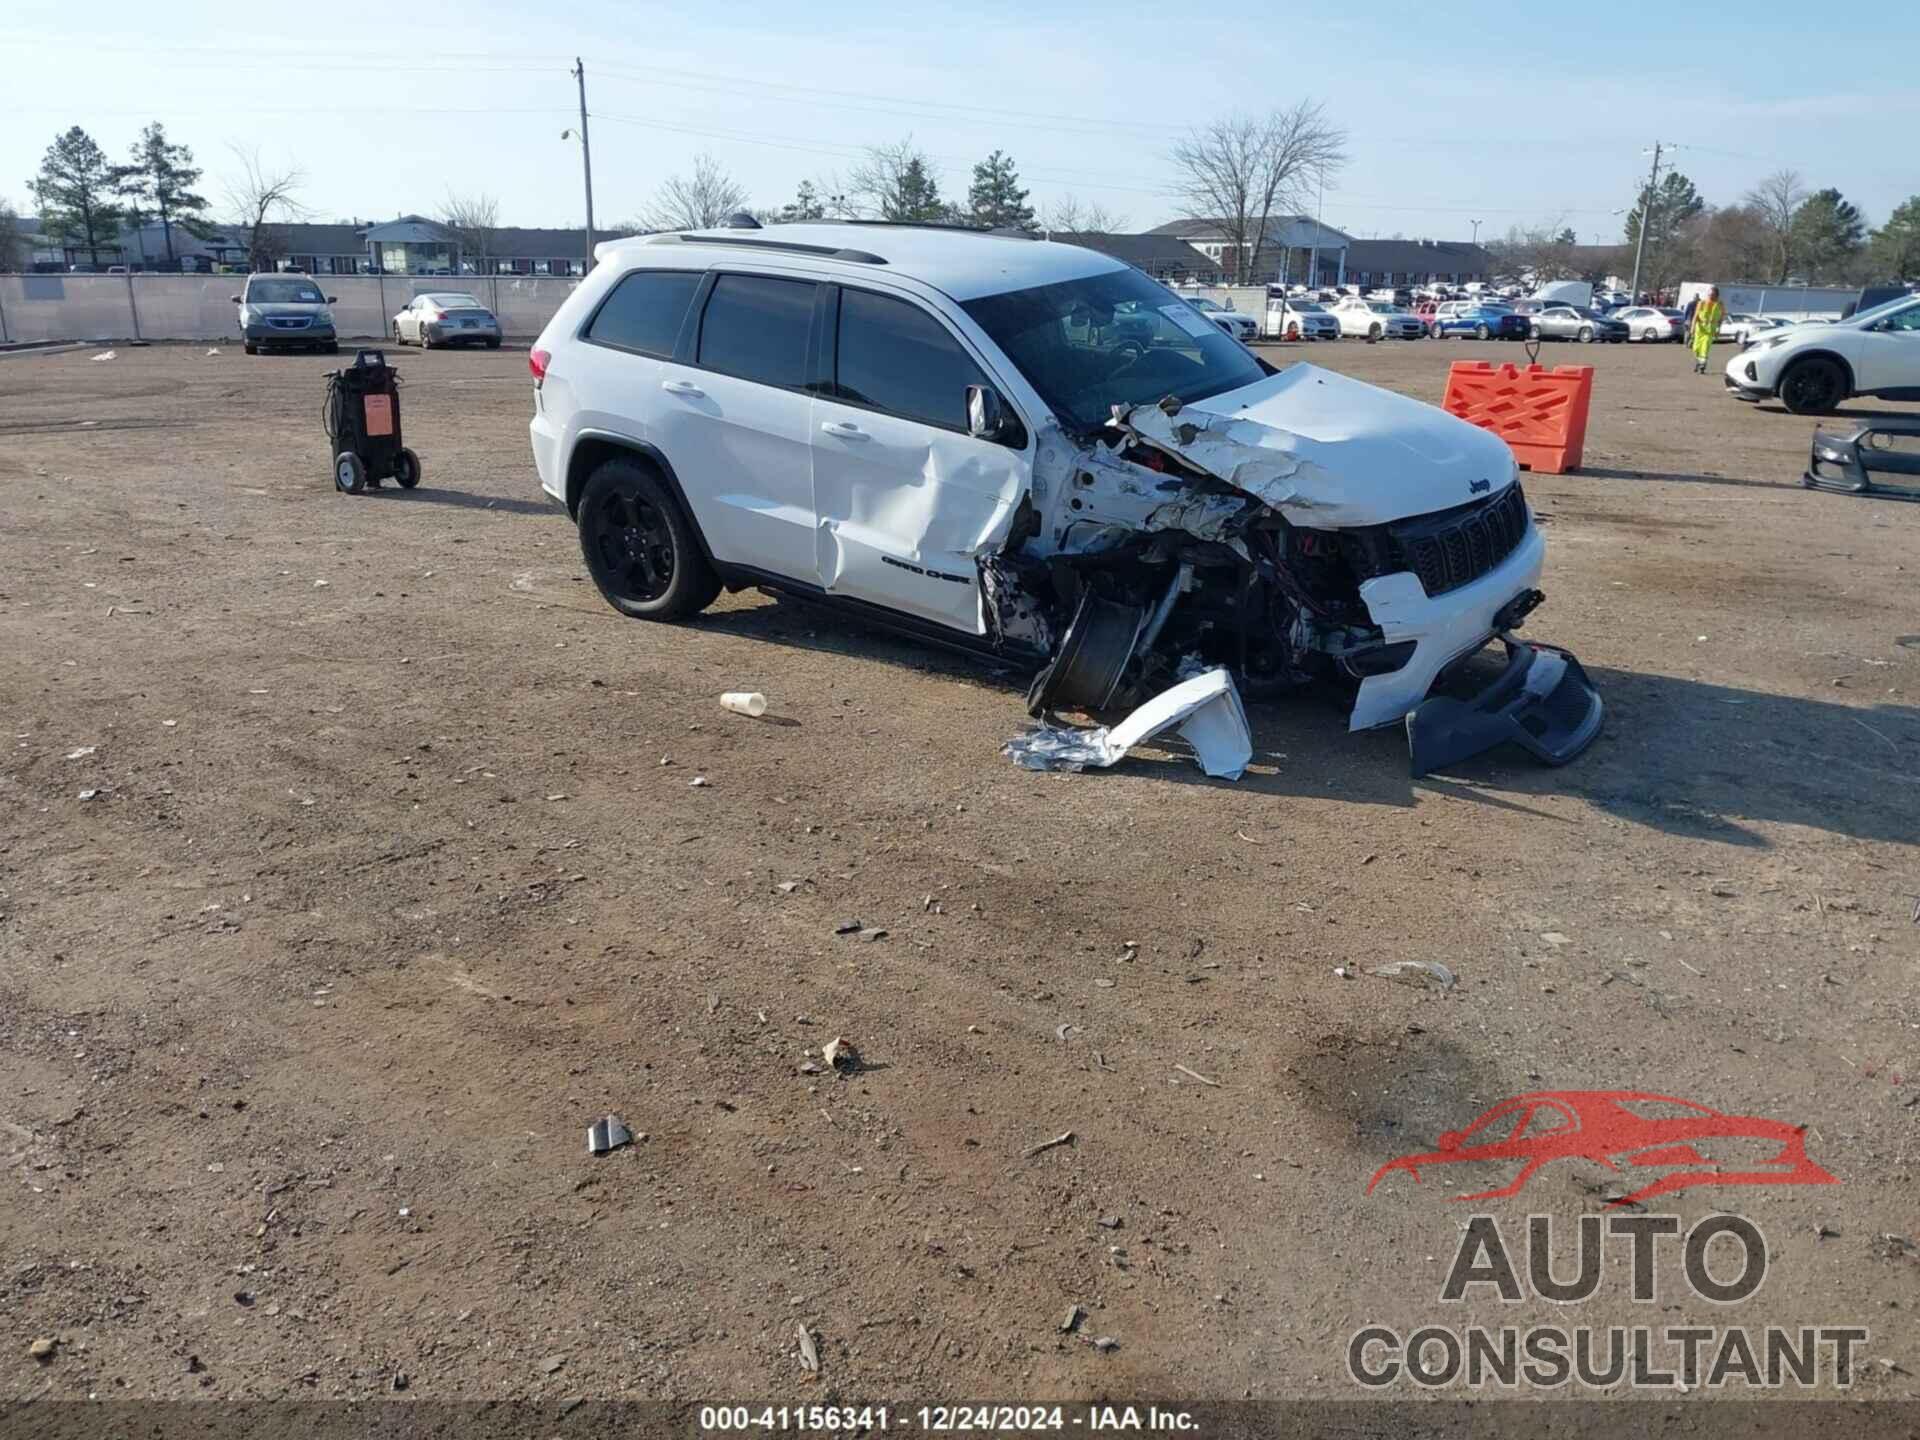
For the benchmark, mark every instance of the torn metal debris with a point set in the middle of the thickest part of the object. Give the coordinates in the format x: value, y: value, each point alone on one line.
x: 1206, y: 709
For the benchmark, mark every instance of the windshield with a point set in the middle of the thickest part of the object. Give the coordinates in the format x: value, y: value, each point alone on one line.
x: 1880, y: 312
x: 284, y: 292
x: 452, y: 300
x: 1305, y: 307
x: 1113, y: 339
x: 1203, y: 304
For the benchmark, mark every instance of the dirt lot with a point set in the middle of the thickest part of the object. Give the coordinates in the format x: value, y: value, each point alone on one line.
x: 392, y: 878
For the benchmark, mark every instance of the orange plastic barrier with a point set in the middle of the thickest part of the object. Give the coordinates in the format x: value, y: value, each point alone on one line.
x: 1540, y: 413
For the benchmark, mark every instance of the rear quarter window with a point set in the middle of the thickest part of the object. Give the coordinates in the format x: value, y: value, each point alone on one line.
x: 645, y: 311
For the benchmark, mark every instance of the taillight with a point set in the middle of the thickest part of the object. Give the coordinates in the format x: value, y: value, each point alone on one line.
x: 537, y: 362
x: 439, y: 315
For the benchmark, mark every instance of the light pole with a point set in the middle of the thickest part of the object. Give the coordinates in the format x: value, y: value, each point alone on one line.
x: 586, y: 155
x: 1476, y: 230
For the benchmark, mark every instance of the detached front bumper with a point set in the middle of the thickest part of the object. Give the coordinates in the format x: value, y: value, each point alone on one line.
x: 1542, y: 702
x: 1864, y: 461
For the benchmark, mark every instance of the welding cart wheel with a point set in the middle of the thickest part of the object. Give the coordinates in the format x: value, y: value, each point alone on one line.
x: 349, y: 473
x: 406, y: 469
x: 641, y: 550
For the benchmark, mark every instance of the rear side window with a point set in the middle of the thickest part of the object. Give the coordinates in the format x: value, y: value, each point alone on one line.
x: 644, y: 311
x: 893, y: 356
x: 756, y: 327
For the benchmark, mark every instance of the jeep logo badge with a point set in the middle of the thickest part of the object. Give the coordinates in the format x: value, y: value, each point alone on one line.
x: 1479, y: 487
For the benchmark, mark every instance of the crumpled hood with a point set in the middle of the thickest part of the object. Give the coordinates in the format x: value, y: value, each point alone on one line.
x: 1328, y: 451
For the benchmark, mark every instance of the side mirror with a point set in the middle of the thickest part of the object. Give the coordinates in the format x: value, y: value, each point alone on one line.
x: 333, y: 299
x: 987, y: 417
x: 236, y: 300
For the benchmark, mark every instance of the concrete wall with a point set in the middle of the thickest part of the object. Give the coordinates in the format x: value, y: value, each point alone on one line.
x: 200, y: 307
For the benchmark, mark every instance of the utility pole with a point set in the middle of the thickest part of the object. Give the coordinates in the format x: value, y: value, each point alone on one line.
x: 586, y: 153
x: 1646, y: 210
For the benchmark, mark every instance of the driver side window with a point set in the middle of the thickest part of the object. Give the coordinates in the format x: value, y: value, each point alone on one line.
x: 1907, y: 322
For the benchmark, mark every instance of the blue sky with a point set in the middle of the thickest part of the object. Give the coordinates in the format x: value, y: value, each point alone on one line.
x: 1494, y: 114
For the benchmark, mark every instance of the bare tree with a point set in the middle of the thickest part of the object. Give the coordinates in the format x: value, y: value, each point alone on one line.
x: 475, y: 223
x: 698, y: 201
x: 264, y: 201
x: 1070, y: 215
x: 1240, y: 171
x: 1776, y: 200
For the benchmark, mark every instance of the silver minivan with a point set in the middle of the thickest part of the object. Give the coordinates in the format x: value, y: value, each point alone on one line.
x: 286, y: 312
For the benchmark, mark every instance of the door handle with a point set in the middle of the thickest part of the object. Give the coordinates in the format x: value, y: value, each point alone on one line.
x: 844, y: 430
x: 681, y: 387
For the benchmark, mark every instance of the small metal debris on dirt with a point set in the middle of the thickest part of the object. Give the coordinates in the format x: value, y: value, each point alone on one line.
x: 697, y: 782
x: 1341, y: 972
x: 1106, y: 1344
x: 841, y: 1055
x: 1109, y: 1222
x: 608, y: 1134
x: 812, y: 1067
x: 1045, y: 1145
x: 1414, y: 971
x: 1071, y: 1320
x: 787, y: 887
x: 43, y: 1348
x: 400, y: 1381
x: 1196, y: 1075
x: 553, y: 1364
x: 809, y: 1355
x: 1061, y: 1032
x: 1555, y: 938
x: 848, y: 927
x: 82, y: 752
x: 89, y: 794
x: 1824, y: 1231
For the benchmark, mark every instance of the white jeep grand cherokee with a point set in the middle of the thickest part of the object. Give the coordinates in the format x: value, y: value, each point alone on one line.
x: 1035, y: 451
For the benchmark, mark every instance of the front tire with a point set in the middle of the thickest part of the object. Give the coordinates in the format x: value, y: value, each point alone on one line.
x: 1813, y: 387
x: 349, y: 473
x: 1480, y: 332
x: 406, y: 469
x: 640, y: 549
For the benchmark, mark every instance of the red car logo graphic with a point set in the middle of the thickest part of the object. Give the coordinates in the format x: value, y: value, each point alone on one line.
x: 1624, y: 1130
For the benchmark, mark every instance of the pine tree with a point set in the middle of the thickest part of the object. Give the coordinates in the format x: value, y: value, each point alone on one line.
x: 1896, y: 244
x: 805, y: 205
x: 995, y: 201
x: 916, y: 196
x: 75, y: 191
x: 1827, y: 234
x: 160, y: 180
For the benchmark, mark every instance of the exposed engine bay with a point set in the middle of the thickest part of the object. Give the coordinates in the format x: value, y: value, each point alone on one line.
x: 1184, y: 538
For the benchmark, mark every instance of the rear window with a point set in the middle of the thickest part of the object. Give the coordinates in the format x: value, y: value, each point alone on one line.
x: 452, y: 300
x: 895, y: 357
x: 644, y: 311
x: 756, y: 328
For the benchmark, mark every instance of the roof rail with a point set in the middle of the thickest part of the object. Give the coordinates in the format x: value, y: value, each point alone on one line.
x: 1005, y: 232
x: 752, y: 242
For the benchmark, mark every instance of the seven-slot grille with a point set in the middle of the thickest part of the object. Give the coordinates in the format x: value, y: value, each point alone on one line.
x: 1457, y: 547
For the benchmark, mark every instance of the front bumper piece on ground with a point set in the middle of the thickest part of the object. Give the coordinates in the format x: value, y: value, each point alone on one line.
x: 1542, y: 701
x: 1846, y: 463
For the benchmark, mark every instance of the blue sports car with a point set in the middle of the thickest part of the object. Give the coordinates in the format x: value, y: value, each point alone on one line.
x: 1485, y: 323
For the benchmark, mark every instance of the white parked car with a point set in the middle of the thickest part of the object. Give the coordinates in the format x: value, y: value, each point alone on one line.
x: 1241, y: 327
x: 1037, y: 453
x: 1377, y: 320
x: 1744, y: 329
x: 1644, y: 322
x: 1815, y: 367
x: 1300, y: 320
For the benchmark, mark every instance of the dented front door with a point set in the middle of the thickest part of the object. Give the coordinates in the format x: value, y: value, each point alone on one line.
x: 904, y: 497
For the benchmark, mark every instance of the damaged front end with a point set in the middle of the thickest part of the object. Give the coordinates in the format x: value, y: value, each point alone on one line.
x: 1288, y: 532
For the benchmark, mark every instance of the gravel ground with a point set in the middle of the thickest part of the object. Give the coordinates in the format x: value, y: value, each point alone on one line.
x: 351, y: 864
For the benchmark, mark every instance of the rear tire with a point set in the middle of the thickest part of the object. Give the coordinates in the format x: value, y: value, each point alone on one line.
x: 1586, y: 334
x: 641, y: 550
x: 1813, y: 386
x: 1480, y: 332
x: 406, y: 469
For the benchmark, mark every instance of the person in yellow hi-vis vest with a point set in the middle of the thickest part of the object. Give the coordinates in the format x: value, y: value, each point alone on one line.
x: 1707, y: 316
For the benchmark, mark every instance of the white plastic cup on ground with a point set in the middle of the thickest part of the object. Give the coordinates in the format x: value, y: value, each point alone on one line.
x: 744, y: 702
